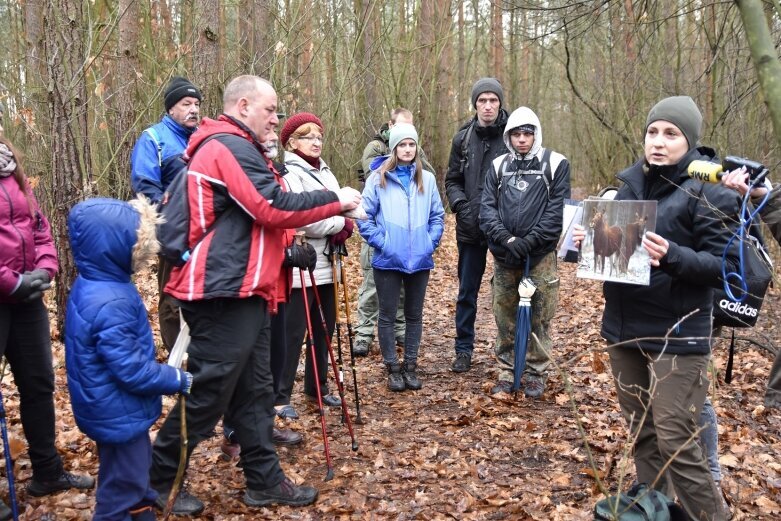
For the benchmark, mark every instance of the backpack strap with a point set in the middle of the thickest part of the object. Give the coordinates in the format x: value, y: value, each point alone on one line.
x: 152, y: 133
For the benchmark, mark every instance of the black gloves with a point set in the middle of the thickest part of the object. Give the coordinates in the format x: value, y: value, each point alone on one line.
x: 517, y: 248
x: 300, y: 256
x: 32, y: 285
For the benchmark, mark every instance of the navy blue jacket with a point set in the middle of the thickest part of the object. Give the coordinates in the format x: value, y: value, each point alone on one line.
x: 114, y: 381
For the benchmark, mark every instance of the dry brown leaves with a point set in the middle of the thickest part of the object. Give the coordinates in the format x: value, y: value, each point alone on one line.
x: 450, y: 451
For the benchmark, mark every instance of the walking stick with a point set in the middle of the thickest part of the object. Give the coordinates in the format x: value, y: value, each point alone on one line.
x: 311, y: 345
x: 178, y: 357
x: 9, y: 464
x: 339, y: 384
x: 338, y: 331
x: 350, y: 337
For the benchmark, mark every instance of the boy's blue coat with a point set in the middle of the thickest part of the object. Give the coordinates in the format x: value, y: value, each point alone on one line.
x: 114, y: 381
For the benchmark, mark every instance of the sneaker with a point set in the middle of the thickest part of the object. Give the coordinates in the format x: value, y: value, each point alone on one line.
x: 64, y: 482
x: 502, y: 387
x: 361, y: 347
x: 287, y: 412
x: 462, y: 363
x: 230, y: 450
x: 5, y: 512
x: 185, y: 505
x: 286, y: 493
x: 328, y: 400
x: 533, y: 388
x: 286, y: 437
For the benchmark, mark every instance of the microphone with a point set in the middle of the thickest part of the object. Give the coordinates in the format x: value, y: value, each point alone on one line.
x: 709, y: 172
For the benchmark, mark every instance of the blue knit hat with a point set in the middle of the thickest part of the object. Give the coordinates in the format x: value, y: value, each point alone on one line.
x: 400, y: 132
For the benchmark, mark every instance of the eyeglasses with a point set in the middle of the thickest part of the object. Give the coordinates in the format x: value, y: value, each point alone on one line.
x: 313, y: 139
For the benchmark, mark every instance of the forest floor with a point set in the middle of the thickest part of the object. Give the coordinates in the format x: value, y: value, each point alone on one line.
x: 452, y: 451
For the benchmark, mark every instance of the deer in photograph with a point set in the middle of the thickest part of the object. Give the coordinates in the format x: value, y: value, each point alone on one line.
x: 607, y: 241
x: 634, y: 232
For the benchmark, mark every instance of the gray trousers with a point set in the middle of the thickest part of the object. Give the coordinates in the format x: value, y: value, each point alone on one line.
x: 368, y: 305
x: 661, y: 398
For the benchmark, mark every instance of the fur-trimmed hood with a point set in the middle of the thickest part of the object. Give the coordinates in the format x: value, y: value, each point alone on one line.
x: 523, y: 116
x: 112, y: 239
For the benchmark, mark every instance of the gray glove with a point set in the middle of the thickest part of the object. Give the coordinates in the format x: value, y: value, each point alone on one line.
x: 28, y: 288
x: 40, y: 281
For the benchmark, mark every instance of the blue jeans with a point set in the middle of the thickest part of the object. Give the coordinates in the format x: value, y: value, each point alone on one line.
x: 389, y: 284
x: 709, y: 437
x: 471, y: 266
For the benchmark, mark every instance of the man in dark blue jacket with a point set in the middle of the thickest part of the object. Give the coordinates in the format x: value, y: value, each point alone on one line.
x: 153, y: 165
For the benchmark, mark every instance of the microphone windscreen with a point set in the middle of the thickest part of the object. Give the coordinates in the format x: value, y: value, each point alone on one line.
x: 705, y: 171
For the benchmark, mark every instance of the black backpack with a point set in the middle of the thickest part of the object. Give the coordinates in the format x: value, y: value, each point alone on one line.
x: 173, y: 232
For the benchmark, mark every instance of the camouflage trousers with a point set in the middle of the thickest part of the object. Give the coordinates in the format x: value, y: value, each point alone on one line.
x: 505, y: 306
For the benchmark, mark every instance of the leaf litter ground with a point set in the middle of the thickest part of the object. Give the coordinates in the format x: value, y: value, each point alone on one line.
x: 450, y: 450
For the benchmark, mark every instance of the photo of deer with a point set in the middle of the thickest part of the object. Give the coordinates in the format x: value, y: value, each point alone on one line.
x: 613, y: 249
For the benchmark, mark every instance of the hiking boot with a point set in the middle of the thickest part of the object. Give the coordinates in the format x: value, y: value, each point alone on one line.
x: 230, y: 449
x: 395, y: 380
x: 143, y: 514
x: 462, y: 363
x: 5, y: 512
x: 533, y: 388
x: 185, y: 505
x: 410, y: 376
x: 287, y: 412
x: 400, y: 342
x: 502, y: 386
x: 64, y: 482
x: 329, y: 400
x: 286, y: 493
x: 361, y: 347
x: 286, y: 437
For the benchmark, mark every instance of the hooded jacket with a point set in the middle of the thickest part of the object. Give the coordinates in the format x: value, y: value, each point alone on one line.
x: 240, y: 256
x: 114, y: 381
x: 152, y: 162
x: 26, y: 242
x: 465, y: 176
x: 697, y: 219
x: 404, y: 225
x: 517, y: 200
x: 303, y: 177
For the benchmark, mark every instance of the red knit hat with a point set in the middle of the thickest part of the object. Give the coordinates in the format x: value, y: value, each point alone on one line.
x: 295, y: 121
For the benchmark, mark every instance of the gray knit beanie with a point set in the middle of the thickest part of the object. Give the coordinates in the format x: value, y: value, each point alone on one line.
x: 487, y: 85
x: 400, y: 132
x: 682, y: 112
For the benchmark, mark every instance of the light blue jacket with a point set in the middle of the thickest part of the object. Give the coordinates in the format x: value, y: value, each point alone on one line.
x: 403, y: 228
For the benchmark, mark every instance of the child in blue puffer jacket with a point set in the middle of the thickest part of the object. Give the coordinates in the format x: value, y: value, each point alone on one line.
x: 114, y: 381
x: 404, y: 226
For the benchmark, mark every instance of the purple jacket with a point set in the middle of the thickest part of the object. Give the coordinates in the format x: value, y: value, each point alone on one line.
x: 26, y: 241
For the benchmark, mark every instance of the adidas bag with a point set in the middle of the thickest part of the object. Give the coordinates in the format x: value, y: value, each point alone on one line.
x: 639, y: 503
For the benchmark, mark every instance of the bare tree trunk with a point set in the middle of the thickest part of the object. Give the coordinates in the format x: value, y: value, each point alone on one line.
x: 67, y: 96
x: 206, y: 56
x: 128, y: 69
x: 497, y: 39
x: 765, y: 57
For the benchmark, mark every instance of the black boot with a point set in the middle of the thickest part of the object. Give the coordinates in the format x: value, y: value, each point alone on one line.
x: 410, y: 376
x: 395, y: 380
x: 5, y: 512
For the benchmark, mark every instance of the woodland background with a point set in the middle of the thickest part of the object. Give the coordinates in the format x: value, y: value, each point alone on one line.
x: 82, y: 78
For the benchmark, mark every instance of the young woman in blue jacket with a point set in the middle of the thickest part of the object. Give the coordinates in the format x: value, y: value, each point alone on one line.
x: 405, y: 225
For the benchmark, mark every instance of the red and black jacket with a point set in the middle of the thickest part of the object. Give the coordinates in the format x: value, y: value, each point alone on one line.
x: 241, y: 255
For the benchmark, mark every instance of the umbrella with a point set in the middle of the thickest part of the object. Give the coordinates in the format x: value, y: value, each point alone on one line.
x: 523, y: 324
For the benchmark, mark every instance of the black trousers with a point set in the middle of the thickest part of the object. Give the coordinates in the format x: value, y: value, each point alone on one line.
x: 25, y: 342
x: 295, y: 331
x: 229, y: 358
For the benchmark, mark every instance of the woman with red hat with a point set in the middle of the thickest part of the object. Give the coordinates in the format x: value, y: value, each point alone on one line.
x: 302, y: 138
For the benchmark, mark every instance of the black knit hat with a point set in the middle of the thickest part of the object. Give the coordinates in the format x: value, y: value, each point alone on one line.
x: 487, y: 85
x: 177, y: 89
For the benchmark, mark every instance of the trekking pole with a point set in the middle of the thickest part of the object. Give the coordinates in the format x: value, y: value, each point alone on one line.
x: 311, y: 344
x: 339, y: 384
x: 335, y: 276
x: 178, y: 358
x: 9, y: 464
x: 350, y: 337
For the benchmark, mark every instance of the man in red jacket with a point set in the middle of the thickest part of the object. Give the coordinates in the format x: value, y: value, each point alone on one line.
x: 227, y: 289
